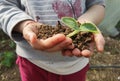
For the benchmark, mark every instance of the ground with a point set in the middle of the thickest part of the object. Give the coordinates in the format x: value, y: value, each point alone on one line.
x: 110, y: 59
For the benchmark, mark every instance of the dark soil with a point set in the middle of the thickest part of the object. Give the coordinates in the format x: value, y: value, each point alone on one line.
x: 80, y: 40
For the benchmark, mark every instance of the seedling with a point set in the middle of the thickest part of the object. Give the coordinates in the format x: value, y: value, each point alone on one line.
x: 77, y: 27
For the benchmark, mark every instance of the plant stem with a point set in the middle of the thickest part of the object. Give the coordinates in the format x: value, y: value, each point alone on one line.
x: 73, y: 33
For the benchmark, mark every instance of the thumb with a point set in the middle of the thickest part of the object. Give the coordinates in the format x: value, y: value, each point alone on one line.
x: 30, y: 36
x: 33, y: 38
x: 100, y: 42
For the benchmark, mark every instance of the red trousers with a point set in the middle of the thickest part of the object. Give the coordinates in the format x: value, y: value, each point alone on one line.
x: 31, y: 72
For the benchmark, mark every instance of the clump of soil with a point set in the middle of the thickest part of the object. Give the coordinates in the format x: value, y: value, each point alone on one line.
x: 80, y: 40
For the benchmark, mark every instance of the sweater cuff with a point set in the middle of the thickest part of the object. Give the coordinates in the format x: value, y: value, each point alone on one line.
x: 13, y: 22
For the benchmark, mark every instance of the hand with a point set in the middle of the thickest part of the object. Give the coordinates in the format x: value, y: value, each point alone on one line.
x: 51, y: 44
x: 98, y: 40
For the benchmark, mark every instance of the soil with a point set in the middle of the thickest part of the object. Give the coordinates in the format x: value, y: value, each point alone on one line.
x: 110, y: 57
x: 80, y: 40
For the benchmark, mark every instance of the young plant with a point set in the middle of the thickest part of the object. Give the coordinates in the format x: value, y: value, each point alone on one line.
x: 77, y: 27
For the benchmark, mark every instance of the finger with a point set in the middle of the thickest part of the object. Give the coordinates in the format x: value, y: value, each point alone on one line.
x: 52, y: 41
x: 43, y: 45
x: 100, y: 42
x: 33, y: 41
x: 86, y: 53
x: 76, y: 52
x: 71, y: 46
x: 67, y: 53
x: 66, y: 44
x: 91, y: 47
x: 29, y: 33
x: 30, y: 36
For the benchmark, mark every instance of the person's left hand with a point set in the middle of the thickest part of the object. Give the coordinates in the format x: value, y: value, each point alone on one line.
x: 98, y: 41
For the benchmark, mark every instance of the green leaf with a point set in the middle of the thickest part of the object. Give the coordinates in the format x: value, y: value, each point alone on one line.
x: 70, y: 22
x: 88, y: 27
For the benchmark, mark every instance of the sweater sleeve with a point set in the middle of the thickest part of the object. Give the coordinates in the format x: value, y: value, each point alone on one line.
x: 11, y: 14
x: 89, y: 3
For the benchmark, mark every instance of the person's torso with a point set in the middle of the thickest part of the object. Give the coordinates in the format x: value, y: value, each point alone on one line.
x: 50, y: 11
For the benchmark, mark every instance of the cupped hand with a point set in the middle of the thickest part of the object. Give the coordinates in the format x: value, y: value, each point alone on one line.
x: 57, y: 42
x: 98, y: 42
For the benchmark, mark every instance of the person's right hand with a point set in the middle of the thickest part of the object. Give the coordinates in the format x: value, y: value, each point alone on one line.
x: 56, y: 43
